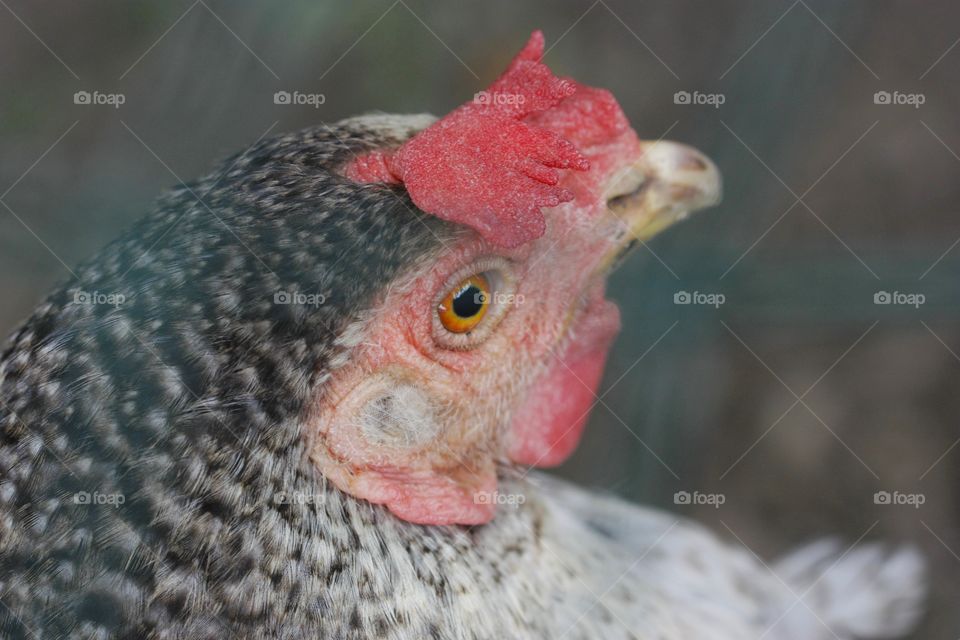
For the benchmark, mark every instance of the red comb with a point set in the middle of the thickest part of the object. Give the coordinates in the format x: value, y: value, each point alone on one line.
x: 494, y: 162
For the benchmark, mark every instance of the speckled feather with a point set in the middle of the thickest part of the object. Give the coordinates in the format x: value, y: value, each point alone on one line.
x: 187, y: 399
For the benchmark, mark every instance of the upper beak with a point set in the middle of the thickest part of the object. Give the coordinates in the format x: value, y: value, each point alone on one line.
x: 665, y: 184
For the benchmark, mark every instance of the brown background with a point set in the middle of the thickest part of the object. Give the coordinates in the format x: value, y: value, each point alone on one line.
x: 798, y: 81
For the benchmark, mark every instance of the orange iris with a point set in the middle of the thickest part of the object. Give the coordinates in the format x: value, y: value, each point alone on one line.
x: 462, y: 309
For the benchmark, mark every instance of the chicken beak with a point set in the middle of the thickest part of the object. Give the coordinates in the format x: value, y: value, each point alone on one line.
x: 665, y: 184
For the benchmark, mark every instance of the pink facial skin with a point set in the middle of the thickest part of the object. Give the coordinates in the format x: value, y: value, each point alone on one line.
x: 520, y: 395
x: 419, y: 419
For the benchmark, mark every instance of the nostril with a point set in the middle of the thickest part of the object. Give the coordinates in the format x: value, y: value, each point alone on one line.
x: 667, y: 158
x: 627, y: 191
x: 627, y: 200
x: 691, y: 162
x: 691, y: 178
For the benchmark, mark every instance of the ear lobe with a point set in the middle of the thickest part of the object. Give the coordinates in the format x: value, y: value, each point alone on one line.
x: 399, y: 418
x: 383, y: 419
x: 383, y: 443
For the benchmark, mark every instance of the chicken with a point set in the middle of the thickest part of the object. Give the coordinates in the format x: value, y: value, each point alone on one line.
x: 301, y: 399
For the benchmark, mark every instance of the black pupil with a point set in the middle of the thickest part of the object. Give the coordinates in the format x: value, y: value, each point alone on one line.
x: 469, y: 301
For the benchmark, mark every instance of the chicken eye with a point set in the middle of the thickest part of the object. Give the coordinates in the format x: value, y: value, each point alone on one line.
x: 465, y: 305
x: 470, y: 304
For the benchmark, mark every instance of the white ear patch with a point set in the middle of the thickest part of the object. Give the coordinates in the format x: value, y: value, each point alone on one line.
x: 400, y: 416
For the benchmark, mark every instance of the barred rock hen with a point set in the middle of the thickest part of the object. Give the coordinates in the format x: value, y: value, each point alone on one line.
x: 303, y: 414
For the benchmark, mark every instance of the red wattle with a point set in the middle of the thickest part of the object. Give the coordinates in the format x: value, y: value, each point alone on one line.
x: 547, y: 427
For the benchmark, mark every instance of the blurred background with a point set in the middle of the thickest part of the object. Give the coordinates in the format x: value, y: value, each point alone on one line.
x: 811, y: 384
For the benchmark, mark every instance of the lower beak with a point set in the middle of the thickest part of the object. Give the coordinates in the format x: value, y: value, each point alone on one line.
x: 666, y: 183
